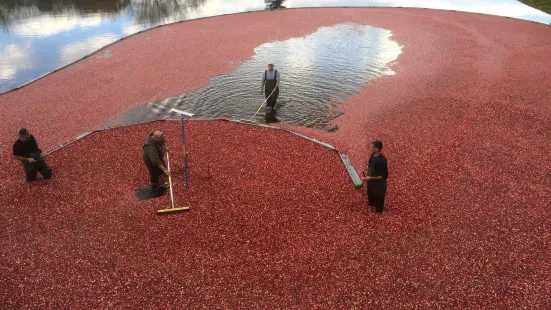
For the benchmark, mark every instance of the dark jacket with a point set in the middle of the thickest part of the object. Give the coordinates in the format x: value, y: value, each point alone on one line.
x: 27, y: 148
x: 153, y: 152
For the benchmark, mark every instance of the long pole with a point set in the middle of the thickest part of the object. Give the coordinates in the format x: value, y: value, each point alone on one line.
x: 170, y: 180
x: 185, y: 152
x: 262, y: 105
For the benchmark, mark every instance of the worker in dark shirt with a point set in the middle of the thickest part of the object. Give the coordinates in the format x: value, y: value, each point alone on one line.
x: 153, y: 150
x: 26, y: 150
x: 377, y: 173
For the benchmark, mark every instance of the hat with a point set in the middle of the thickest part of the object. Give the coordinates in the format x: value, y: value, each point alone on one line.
x: 271, y: 62
x: 23, y: 131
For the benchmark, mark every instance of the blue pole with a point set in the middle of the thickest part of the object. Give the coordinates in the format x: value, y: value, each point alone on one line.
x: 185, y: 152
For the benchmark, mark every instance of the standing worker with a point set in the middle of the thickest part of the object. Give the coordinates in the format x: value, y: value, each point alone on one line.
x: 270, y: 84
x: 26, y: 150
x: 153, y: 150
x: 377, y: 173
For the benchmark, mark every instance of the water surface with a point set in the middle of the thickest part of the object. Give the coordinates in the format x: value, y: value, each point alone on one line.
x: 318, y: 72
x: 39, y: 36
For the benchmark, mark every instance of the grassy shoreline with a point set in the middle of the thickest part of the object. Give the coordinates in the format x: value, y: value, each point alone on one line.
x: 542, y: 5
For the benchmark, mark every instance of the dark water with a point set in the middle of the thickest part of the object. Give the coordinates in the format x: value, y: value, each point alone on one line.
x: 317, y: 72
x: 38, y: 36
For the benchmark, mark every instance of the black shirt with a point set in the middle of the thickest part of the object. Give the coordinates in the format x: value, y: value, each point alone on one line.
x: 377, y: 166
x: 24, y: 148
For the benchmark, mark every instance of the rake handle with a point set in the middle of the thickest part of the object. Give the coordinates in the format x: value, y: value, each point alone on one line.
x: 170, y: 180
x: 185, y: 151
x: 262, y: 105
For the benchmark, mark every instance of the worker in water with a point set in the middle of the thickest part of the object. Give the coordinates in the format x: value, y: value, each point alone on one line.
x: 270, y: 88
x: 377, y: 173
x: 153, y: 150
x: 26, y: 150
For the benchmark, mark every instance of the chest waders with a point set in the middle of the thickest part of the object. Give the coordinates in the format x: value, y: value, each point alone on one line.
x: 268, y: 87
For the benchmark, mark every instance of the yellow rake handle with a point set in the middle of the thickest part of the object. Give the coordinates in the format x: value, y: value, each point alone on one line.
x: 170, y: 180
x: 262, y: 105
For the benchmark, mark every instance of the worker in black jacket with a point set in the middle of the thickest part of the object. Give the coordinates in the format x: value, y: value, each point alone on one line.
x: 153, y: 150
x: 377, y: 173
x: 26, y: 150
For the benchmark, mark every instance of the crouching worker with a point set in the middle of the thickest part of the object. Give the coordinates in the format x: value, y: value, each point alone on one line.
x: 153, y: 151
x: 26, y: 150
x: 377, y: 173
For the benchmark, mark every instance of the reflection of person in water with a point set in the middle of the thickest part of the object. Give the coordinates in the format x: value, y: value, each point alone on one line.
x: 270, y: 88
x: 277, y: 4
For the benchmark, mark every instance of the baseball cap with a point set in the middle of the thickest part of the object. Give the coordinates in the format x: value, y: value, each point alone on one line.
x: 23, y: 131
x: 271, y: 62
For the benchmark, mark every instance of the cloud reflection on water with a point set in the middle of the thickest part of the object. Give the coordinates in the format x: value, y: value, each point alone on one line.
x: 73, y: 51
x: 69, y: 25
x: 14, y: 57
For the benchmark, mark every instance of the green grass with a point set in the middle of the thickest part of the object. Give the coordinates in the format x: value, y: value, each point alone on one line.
x: 542, y: 5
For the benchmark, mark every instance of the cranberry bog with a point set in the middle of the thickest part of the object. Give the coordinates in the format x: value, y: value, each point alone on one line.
x: 275, y: 221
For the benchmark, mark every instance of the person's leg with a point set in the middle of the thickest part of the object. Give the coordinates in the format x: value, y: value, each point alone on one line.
x: 270, y: 103
x: 163, y: 180
x: 380, y: 196
x: 154, y: 180
x: 380, y: 205
x: 371, y: 194
x: 154, y: 177
x: 30, y: 171
x: 274, y: 98
x: 268, y: 98
x: 42, y: 167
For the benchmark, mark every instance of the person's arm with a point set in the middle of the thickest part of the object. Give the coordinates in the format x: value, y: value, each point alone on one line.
x: 162, y: 167
x: 21, y: 158
x: 154, y: 157
x: 263, y: 82
x: 366, y: 178
x: 277, y: 82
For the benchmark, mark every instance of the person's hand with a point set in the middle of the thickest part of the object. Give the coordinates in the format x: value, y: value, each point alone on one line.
x: 31, y: 160
x: 273, y: 90
x: 368, y: 179
x: 167, y: 173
